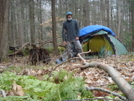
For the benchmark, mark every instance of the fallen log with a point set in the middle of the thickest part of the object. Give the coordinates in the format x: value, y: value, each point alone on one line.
x: 20, y: 49
x: 29, y: 44
x: 123, y: 85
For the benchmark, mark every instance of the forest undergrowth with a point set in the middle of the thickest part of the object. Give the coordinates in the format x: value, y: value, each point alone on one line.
x: 20, y: 80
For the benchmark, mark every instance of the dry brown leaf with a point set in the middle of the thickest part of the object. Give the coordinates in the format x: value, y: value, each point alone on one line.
x: 17, y: 89
x: 88, y: 81
x: 99, y: 93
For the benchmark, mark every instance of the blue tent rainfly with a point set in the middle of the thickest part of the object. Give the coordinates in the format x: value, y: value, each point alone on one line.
x: 94, y: 28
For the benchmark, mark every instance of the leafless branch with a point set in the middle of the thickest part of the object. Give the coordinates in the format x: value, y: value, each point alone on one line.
x: 79, y: 54
x: 30, y: 44
x: 46, y: 42
x: 107, y: 91
x: 80, y: 57
x: 21, y: 48
x: 99, y: 98
x: 65, y: 62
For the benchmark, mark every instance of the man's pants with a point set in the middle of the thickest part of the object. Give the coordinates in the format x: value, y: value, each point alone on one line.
x: 73, y: 47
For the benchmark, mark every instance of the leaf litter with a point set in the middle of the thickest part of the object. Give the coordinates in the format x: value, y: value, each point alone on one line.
x: 94, y: 77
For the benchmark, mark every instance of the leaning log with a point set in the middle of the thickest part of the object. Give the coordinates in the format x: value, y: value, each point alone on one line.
x: 20, y: 49
x: 29, y: 44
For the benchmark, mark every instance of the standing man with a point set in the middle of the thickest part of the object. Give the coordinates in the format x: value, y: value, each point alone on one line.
x: 70, y: 35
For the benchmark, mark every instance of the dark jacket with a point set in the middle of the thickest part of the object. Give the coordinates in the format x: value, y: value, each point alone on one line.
x: 70, y: 30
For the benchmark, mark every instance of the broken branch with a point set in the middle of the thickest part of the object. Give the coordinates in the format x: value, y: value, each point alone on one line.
x: 46, y: 42
x: 21, y: 48
x: 79, y: 54
x: 107, y: 91
x: 65, y: 62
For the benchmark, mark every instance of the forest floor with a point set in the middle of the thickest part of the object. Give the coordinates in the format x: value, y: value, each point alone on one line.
x: 94, y: 77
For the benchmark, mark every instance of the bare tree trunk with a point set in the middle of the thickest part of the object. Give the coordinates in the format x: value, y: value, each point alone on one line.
x: 107, y: 10
x: 20, y: 34
x: 13, y: 31
x: 39, y: 14
x: 40, y: 29
x: 32, y: 20
x: 54, y: 27
x: 132, y: 14
x: 103, y: 12
x: 86, y: 12
x: 4, y: 4
x: 60, y: 6
x: 118, y: 18
x: 119, y: 23
x: 10, y: 29
x: 131, y: 9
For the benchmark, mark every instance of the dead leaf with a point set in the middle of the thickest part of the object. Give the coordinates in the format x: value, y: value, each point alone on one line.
x: 99, y: 93
x: 17, y: 89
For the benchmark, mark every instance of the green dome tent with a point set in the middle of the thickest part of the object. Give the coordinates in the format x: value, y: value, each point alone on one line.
x: 100, y: 39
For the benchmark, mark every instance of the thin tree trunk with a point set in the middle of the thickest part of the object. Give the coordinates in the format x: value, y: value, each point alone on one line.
x: 54, y: 27
x: 132, y: 12
x: 132, y: 23
x: 13, y: 31
x: 131, y: 9
x: 40, y: 20
x: 103, y: 12
x: 20, y: 34
x: 86, y: 12
x: 118, y: 22
x: 32, y: 20
x: 107, y: 10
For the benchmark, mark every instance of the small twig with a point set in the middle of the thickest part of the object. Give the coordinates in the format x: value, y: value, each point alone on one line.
x: 3, y: 93
x: 79, y: 54
x: 46, y: 42
x: 80, y: 57
x: 91, y: 99
x: 107, y: 91
x: 65, y: 62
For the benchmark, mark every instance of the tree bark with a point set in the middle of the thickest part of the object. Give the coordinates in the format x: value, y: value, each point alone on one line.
x: 32, y: 20
x: 20, y: 34
x: 107, y: 10
x: 131, y: 9
x: 4, y: 4
x: 86, y: 13
x: 54, y: 27
x: 39, y: 14
x: 40, y: 29
x: 12, y: 27
x: 132, y: 22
